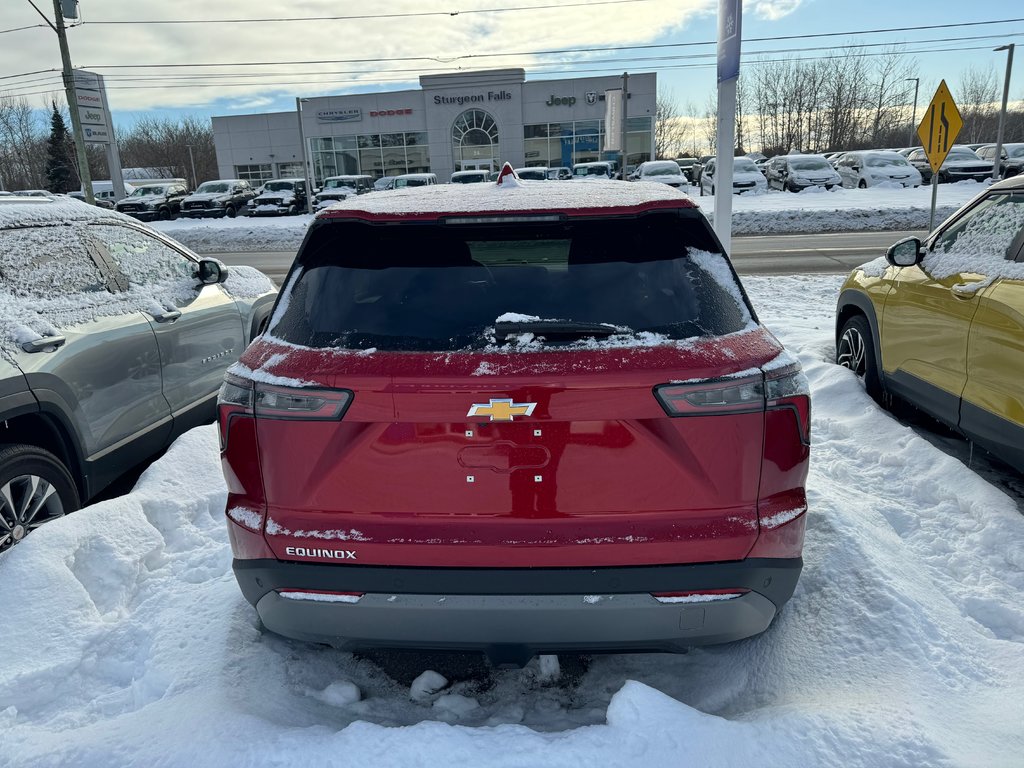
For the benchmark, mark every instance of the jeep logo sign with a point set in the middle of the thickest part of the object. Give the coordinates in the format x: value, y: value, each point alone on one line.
x: 560, y: 101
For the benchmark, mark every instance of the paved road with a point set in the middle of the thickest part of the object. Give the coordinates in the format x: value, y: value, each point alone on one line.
x: 834, y: 253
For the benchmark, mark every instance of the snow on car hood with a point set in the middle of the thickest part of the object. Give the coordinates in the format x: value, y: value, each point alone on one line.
x: 207, y: 197
x: 284, y: 195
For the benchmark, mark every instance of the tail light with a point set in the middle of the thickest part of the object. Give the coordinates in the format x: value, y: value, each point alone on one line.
x: 699, y: 596
x: 244, y: 397
x: 787, y: 388
x: 320, y: 596
x: 706, y: 398
x: 779, y: 388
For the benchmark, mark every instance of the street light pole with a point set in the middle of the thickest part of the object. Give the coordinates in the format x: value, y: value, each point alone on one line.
x: 192, y: 162
x: 305, y: 164
x: 997, y: 168
x: 913, y: 117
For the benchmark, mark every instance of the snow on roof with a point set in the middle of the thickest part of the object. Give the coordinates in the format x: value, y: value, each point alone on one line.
x: 525, y: 196
x: 42, y: 211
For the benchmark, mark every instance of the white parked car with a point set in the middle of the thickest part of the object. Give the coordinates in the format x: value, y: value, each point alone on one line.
x: 661, y: 171
x: 798, y: 172
x: 592, y: 171
x: 866, y: 169
x: 746, y: 177
x: 470, y: 177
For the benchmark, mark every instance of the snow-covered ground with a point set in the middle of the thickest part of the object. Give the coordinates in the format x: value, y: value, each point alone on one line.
x: 813, y: 210
x: 126, y: 642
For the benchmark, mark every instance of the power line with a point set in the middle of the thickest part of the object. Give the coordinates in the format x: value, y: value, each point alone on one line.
x: 562, y: 51
x: 157, y: 77
x: 362, y: 17
x: 19, y: 29
x: 547, y: 73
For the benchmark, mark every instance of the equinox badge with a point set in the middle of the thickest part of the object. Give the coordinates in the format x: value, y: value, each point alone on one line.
x: 501, y: 410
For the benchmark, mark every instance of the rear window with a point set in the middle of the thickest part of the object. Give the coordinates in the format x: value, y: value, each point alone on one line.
x: 437, y: 287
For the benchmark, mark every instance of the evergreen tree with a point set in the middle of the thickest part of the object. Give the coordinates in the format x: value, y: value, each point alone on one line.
x: 59, y: 166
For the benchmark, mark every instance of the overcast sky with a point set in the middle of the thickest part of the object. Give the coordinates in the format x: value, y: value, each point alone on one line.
x: 371, y: 54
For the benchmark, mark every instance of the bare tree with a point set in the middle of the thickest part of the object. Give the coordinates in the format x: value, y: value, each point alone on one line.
x: 979, y: 102
x: 669, y: 127
x: 163, y: 143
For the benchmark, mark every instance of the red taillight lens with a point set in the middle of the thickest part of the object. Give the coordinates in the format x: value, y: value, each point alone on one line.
x: 274, y: 402
x: 240, y: 396
x: 788, y: 388
x: 704, y: 398
x: 235, y: 397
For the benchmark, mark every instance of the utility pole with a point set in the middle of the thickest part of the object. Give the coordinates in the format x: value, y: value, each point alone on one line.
x: 69, y: 93
x: 997, y: 169
x: 192, y: 162
x: 913, y: 117
x: 305, y: 164
x: 625, y: 115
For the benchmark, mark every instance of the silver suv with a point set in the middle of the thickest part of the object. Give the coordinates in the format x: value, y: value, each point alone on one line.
x: 113, y: 341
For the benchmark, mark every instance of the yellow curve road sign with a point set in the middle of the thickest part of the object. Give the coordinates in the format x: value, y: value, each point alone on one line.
x: 940, y: 127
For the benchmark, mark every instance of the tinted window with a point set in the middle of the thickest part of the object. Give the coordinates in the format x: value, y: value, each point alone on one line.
x: 435, y: 287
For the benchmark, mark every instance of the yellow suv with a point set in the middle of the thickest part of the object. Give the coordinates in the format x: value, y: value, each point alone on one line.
x: 940, y: 324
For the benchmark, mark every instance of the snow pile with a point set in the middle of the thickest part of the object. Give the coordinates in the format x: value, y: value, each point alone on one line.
x: 127, y: 642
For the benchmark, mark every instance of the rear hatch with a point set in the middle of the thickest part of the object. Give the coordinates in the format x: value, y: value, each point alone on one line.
x: 513, y: 392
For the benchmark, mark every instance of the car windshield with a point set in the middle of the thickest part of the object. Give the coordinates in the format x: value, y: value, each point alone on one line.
x: 468, y: 178
x: 962, y: 153
x: 1016, y: 152
x: 147, y: 191
x: 661, y: 169
x: 279, y: 186
x: 411, y: 182
x: 744, y: 164
x: 338, y: 183
x: 213, y: 187
x: 591, y: 170
x: 443, y: 288
x: 809, y: 164
x: 532, y: 174
x: 884, y: 161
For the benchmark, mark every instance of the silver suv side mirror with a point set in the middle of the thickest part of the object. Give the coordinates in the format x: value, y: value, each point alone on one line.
x: 212, y: 271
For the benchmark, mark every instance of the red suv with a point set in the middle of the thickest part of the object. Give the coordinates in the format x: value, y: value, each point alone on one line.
x: 517, y: 419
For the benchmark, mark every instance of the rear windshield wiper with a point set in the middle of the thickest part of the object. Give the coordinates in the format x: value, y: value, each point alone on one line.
x: 554, y: 330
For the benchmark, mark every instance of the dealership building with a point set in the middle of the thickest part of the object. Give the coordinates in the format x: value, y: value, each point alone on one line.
x: 463, y: 121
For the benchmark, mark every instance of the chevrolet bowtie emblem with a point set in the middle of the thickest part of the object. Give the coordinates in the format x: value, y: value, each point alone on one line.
x: 501, y: 410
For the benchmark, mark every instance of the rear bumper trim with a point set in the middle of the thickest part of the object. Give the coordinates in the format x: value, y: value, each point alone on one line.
x: 524, y: 624
x: 538, y: 610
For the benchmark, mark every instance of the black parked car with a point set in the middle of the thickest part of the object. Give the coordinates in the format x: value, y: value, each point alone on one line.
x: 215, y: 199
x: 1013, y: 158
x: 960, y: 164
x: 279, y: 197
x: 114, y: 340
x: 154, y: 201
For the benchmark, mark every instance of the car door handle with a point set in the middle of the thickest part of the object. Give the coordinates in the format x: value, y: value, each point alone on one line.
x: 967, y: 291
x: 39, y: 345
x: 167, y: 317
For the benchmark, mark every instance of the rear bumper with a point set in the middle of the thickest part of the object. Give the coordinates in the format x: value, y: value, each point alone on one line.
x: 518, y: 612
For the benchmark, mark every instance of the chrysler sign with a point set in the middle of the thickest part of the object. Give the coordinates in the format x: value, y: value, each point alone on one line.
x: 339, y: 115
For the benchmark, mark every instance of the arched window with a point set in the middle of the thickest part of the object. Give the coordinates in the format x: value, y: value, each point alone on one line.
x: 475, y: 141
